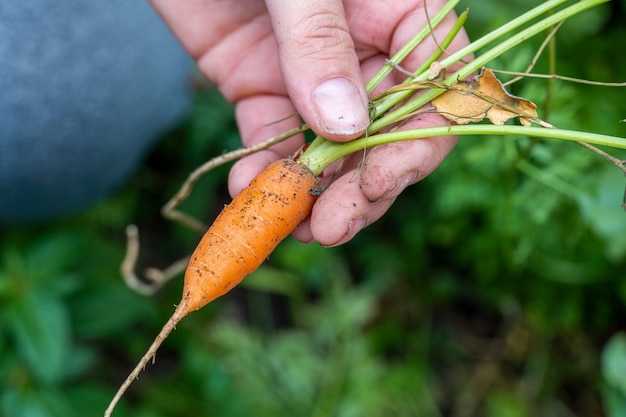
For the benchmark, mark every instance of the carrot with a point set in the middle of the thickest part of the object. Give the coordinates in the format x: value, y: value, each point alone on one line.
x: 241, y: 238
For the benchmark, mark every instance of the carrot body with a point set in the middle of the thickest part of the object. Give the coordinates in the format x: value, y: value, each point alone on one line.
x: 248, y: 230
x: 237, y: 243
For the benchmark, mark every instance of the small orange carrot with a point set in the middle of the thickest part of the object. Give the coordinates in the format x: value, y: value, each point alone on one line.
x: 241, y: 238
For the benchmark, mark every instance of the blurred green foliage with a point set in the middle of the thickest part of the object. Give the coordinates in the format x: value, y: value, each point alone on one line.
x: 496, y: 287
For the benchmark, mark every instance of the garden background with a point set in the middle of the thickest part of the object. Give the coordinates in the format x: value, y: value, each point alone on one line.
x: 495, y: 287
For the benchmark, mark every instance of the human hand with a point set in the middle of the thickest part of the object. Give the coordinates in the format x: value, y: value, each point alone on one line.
x: 278, y: 57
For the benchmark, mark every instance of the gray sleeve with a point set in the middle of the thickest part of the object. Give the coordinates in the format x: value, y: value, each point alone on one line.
x: 86, y: 88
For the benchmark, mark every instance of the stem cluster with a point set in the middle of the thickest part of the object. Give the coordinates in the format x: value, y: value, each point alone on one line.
x: 399, y: 103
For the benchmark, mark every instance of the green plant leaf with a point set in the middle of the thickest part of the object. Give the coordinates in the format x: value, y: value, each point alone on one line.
x: 506, y: 404
x: 274, y: 280
x: 614, y: 401
x: 35, y: 402
x: 95, y: 314
x: 602, y: 211
x: 87, y: 399
x: 40, y: 326
x: 19, y: 404
x: 52, y: 255
x: 614, y: 362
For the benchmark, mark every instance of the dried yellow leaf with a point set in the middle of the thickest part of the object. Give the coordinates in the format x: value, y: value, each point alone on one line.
x: 467, y: 102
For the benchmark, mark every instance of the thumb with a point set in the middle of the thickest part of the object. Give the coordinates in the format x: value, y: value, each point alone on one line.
x: 320, y: 66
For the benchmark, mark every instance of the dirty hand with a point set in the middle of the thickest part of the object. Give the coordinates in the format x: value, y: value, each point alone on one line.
x: 276, y: 58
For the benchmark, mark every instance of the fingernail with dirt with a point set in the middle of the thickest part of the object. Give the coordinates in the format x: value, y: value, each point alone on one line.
x: 340, y: 107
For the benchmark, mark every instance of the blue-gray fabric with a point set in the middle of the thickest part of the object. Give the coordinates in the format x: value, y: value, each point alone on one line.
x: 86, y: 88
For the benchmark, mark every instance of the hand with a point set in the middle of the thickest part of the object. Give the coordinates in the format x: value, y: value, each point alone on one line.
x: 278, y: 57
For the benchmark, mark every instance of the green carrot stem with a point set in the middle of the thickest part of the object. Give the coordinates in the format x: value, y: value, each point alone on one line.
x: 474, y: 47
x: 392, y: 100
x: 480, y: 61
x: 410, y: 45
x: 322, y: 153
x: 410, y: 107
x: 329, y: 152
x: 402, y: 54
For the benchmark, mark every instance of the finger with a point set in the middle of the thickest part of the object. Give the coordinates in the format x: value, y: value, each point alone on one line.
x: 320, y: 66
x: 200, y: 25
x: 245, y: 169
x: 263, y: 116
x: 343, y: 210
x: 302, y: 232
x: 419, y: 17
x: 389, y: 169
x: 260, y: 118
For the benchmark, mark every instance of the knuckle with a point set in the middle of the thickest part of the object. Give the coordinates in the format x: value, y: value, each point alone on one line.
x: 322, y: 33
